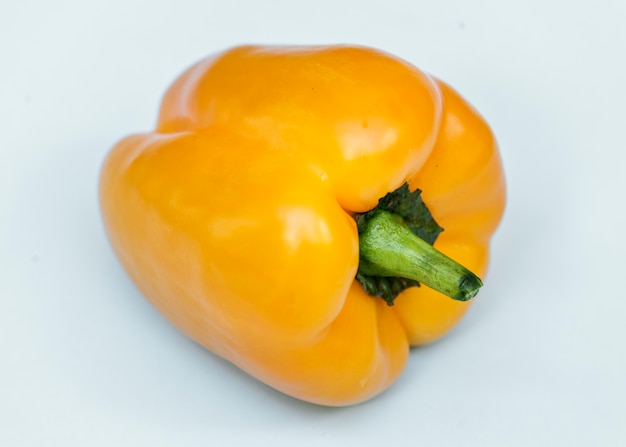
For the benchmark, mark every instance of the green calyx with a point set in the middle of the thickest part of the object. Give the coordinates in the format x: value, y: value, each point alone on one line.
x: 396, y: 251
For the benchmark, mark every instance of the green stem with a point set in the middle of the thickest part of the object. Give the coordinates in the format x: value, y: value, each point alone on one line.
x: 388, y: 248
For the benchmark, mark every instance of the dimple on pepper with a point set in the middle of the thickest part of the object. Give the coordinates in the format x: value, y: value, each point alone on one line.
x: 269, y: 214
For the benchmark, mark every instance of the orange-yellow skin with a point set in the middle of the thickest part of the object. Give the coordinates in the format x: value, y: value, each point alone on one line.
x: 234, y: 217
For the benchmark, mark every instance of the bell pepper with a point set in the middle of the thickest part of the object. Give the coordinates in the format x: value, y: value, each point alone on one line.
x: 308, y: 213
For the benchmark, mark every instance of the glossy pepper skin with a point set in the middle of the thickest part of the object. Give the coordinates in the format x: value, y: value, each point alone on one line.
x: 235, y: 216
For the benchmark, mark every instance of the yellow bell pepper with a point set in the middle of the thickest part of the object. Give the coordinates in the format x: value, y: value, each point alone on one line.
x: 268, y: 213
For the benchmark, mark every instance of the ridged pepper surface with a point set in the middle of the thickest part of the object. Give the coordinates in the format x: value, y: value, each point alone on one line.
x: 242, y: 217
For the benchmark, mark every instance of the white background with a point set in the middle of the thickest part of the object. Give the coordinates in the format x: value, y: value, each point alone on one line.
x: 539, y: 359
